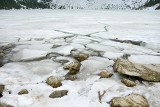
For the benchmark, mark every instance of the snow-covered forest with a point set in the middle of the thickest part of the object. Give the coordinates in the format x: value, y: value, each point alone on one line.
x: 80, y: 4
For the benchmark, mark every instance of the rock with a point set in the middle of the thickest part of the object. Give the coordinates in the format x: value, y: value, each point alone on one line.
x: 132, y: 100
x: 2, y: 87
x: 54, y: 82
x: 105, y: 74
x: 1, y: 64
x: 5, y: 105
x: 58, y: 94
x: 2, y: 54
x: 81, y: 57
x: 73, y: 67
x: 24, y: 91
x: 1, y: 51
x: 128, y: 83
x: 148, y: 72
x: 70, y: 77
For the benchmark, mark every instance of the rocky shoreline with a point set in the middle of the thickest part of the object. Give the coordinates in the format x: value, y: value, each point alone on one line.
x: 72, y: 63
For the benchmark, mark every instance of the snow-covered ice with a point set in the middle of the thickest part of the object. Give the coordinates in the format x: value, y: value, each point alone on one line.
x: 45, y: 39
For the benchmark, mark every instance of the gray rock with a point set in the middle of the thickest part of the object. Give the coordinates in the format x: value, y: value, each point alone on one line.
x: 58, y: 94
x: 148, y: 72
x: 132, y: 100
x: 53, y: 82
x: 128, y: 82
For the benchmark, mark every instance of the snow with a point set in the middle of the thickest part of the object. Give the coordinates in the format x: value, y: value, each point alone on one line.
x: 43, y: 38
x: 98, y: 4
x: 29, y: 54
x: 145, y: 59
x: 112, y: 55
x: 65, y: 50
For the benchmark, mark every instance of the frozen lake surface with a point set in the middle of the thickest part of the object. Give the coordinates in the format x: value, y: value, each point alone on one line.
x: 39, y: 34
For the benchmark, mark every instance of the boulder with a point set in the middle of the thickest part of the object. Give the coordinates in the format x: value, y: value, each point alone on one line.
x: 5, y: 105
x: 70, y: 77
x: 58, y: 94
x: 72, y: 67
x: 24, y: 91
x: 81, y: 56
x: 53, y: 82
x: 128, y: 82
x: 148, y: 72
x: 105, y: 74
x: 132, y: 100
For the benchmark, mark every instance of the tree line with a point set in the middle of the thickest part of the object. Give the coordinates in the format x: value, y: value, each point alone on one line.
x: 34, y: 4
x: 26, y: 4
x: 152, y: 3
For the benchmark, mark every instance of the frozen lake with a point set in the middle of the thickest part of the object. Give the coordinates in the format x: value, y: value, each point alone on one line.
x: 45, y: 39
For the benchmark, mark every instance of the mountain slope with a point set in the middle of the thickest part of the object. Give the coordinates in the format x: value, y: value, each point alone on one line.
x: 77, y: 4
x: 153, y: 3
x: 100, y: 4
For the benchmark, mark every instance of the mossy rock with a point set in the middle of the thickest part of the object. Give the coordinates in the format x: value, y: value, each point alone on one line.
x: 24, y: 91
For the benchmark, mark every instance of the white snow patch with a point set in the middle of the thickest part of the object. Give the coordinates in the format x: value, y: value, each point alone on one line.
x: 112, y: 55
x: 29, y: 54
x: 145, y: 59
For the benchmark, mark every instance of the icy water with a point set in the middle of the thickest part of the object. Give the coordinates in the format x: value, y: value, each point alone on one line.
x: 45, y: 40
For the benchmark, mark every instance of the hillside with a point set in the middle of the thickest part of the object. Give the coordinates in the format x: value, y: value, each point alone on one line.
x: 77, y: 4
